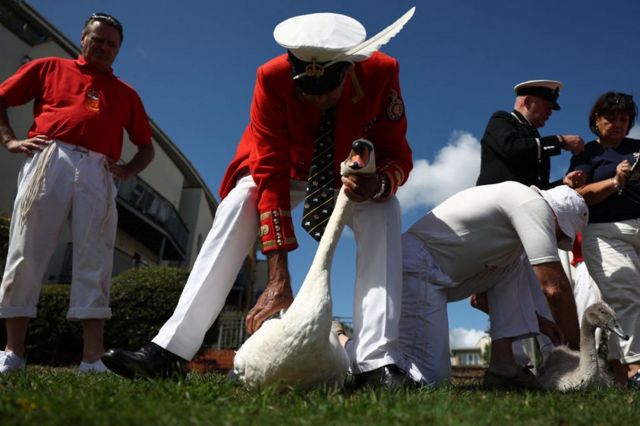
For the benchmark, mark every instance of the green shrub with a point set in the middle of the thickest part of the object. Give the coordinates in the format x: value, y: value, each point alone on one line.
x: 142, y: 299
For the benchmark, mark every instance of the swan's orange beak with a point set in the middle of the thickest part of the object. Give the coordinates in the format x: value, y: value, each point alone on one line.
x: 360, y: 154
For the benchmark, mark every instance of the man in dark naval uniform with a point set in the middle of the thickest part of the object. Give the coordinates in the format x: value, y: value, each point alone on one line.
x: 512, y: 148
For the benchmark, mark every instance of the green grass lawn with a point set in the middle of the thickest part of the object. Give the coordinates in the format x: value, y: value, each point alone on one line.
x: 43, y: 396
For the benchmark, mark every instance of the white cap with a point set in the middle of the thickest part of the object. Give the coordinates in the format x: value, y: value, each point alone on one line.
x: 548, y: 84
x: 571, y: 212
x: 546, y: 89
x: 319, y: 37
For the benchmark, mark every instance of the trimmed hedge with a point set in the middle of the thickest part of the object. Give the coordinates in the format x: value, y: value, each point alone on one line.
x: 142, y: 299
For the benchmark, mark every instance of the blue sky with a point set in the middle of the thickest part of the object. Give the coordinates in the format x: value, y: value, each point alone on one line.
x: 194, y: 62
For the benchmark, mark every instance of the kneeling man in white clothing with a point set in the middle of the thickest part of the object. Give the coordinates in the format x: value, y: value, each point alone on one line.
x: 501, y: 240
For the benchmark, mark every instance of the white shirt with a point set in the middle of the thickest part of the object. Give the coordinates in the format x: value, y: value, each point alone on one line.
x: 489, y: 227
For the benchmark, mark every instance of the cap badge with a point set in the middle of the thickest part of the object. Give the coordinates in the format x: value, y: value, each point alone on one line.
x: 314, y: 69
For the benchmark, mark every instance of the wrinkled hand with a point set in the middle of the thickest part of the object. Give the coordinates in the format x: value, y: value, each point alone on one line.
x: 360, y: 187
x: 276, y: 296
x: 551, y: 330
x: 274, y: 299
x: 28, y: 146
x: 573, y: 143
x: 480, y: 302
x: 575, y: 179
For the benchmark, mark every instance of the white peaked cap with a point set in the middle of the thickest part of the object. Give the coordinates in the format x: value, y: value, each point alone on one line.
x: 319, y: 36
x: 329, y: 38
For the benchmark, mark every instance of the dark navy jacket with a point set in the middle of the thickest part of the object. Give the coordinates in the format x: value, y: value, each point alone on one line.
x: 510, y: 151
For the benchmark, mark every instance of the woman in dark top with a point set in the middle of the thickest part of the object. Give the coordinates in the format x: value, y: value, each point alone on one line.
x: 611, y: 242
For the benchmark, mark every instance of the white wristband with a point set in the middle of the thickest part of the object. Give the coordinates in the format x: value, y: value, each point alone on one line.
x: 382, y: 187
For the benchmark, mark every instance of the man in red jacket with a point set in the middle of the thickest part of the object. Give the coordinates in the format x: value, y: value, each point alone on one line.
x: 321, y: 95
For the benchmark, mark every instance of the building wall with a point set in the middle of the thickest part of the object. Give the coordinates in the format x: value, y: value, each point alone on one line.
x: 131, y: 248
x: 162, y: 174
x: 13, y: 49
x: 198, y: 218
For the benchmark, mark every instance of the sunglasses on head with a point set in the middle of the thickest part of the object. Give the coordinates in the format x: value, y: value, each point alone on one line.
x: 106, y: 18
x: 618, y: 98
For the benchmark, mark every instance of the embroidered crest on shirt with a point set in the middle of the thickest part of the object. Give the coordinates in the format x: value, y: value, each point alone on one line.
x: 92, y: 100
x: 395, y: 107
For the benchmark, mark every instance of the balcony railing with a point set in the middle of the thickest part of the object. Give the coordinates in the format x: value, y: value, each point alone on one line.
x: 140, y: 196
x: 232, y: 334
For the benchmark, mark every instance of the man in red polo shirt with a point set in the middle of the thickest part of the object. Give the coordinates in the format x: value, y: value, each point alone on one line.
x: 80, y: 111
x: 309, y: 105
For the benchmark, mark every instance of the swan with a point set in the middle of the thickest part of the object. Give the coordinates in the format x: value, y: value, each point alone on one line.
x: 566, y: 369
x: 299, y: 349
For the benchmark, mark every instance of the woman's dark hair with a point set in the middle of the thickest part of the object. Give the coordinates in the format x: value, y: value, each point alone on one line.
x: 613, y: 103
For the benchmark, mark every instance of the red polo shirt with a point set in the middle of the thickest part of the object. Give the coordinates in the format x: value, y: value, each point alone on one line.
x: 77, y: 104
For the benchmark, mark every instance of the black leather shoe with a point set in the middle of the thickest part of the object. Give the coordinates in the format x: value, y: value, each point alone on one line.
x: 634, y: 381
x: 149, y: 361
x: 389, y: 377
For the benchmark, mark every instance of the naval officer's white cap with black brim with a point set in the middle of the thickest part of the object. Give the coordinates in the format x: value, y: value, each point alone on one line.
x: 546, y: 89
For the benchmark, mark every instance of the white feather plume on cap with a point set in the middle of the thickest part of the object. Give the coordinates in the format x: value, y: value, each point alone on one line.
x: 372, y: 45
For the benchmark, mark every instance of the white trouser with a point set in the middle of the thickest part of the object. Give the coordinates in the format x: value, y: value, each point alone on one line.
x: 76, y: 184
x: 612, y: 254
x: 513, y: 293
x: 378, y: 292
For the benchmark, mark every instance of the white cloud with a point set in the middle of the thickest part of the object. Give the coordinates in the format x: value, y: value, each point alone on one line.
x: 456, y: 167
x: 635, y: 132
x: 465, y: 338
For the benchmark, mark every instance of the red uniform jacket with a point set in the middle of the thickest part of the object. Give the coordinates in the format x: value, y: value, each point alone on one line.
x: 277, y: 145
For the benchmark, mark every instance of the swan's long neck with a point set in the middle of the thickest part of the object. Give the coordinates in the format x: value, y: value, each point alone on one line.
x: 331, y: 236
x: 588, y: 350
x: 316, y: 286
x: 312, y: 305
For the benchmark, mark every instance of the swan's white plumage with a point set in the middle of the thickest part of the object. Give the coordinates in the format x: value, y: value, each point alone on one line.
x: 566, y: 369
x: 299, y: 349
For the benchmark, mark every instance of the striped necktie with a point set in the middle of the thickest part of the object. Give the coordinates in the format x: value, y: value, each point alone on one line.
x: 320, y: 198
